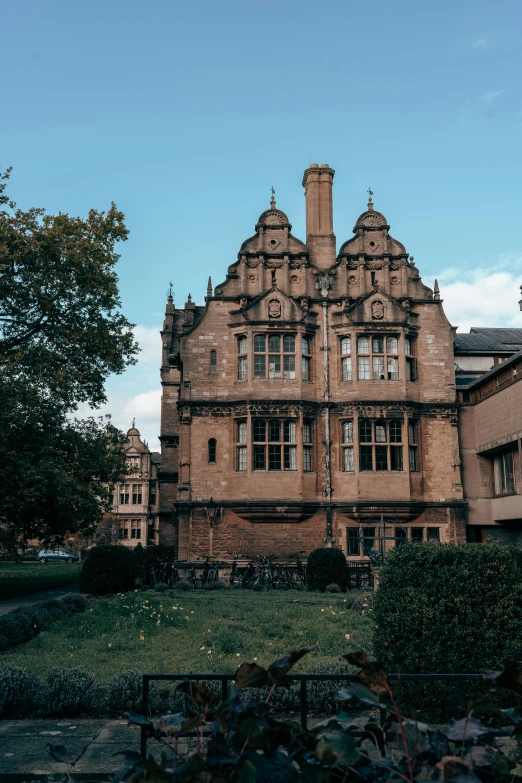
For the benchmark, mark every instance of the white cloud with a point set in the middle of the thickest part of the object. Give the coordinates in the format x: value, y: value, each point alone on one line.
x: 482, y: 297
x: 480, y: 109
x: 482, y: 43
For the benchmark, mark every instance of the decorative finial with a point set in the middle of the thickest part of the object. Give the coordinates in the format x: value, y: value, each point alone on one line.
x: 272, y: 200
x: 133, y: 423
x: 436, y: 292
x: 170, y: 292
x: 189, y: 299
x: 370, y: 202
x: 209, y: 286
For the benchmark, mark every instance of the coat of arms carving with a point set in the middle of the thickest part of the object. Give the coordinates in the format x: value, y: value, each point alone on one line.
x: 377, y: 310
x: 274, y: 308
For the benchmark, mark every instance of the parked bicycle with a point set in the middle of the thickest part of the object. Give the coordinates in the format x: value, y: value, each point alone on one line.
x: 210, y: 571
x: 234, y: 571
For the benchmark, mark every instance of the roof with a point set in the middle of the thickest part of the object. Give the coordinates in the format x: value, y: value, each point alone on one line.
x: 155, y: 457
x: 481, y: 340
x: 496, y: 369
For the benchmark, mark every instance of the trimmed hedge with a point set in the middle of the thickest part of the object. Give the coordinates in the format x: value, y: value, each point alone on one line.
x: 448, y: 608
x: 108, y: 569
x: 324, y: 567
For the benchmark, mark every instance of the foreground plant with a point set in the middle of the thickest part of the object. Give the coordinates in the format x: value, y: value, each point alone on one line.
x: 239, y: 741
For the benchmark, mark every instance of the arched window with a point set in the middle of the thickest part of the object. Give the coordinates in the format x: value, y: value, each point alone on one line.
x: 212, y: 450
x: 213, y: 362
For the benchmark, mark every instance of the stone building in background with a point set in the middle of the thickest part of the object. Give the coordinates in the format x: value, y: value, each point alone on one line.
x: 135, y: 510
x: 313, y: 392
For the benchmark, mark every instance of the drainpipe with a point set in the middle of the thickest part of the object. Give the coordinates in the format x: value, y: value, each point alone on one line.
x: 323, y: 284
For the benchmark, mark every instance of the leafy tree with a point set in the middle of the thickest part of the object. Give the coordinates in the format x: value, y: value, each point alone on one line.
x: 61, y: 335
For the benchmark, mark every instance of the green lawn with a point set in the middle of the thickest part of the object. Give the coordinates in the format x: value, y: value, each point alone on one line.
x: 200, y: 632
x: 17, y: 579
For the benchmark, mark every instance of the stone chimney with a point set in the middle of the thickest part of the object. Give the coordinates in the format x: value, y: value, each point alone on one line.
x: 320, y: 238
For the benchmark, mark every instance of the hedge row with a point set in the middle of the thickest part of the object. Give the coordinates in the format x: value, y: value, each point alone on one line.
x: 23, y: 624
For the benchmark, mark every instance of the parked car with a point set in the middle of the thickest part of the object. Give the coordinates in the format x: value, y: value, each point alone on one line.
x: 44, y: 555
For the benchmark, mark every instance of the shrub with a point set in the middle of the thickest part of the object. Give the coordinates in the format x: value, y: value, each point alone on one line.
x: 67, y: 692
x: 448, y: 608
x: 161, y: 587
x: 217, y: 585
x: 184, y: 584
x: 124, y: 692
x: 17, y: 627
x: 360, y: 602
x: 18, y: 692
x: 324, y: 567
x: 74, y: 603
x: 108, y: 569
x: 332, y: 588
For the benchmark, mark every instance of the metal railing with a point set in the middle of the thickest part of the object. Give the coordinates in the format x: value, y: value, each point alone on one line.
x: 303, y: 680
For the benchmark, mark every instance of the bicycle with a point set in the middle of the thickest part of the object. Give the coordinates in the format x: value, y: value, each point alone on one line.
x: 234, y: 571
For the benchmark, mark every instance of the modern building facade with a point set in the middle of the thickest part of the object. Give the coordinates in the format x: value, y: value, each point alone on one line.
x: 314, y: 392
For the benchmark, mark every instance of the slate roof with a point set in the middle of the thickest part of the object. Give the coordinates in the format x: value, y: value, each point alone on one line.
x: 155, y: 457
x: 495, y: 370
x: 488, y: 340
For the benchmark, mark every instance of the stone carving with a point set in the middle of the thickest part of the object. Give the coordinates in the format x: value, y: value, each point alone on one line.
x: 395, y: 280
x: 294, y: 278
x: 274, y: 308
x: 353, y: 279
x: 374, y: 265
x: 273, y: 264
x: 252, y: 264
x: 297, y: 264
x: 371, y: 219
x: 184, y: 462
x: 252, y: 278
x: 394, y: 265
x: 273, y: 218
x: 377, y: 310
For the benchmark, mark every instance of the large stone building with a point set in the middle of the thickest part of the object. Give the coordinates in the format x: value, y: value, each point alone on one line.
x: 313, y: 392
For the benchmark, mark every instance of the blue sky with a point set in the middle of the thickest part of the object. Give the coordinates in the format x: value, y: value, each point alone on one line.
x: 186, y: 113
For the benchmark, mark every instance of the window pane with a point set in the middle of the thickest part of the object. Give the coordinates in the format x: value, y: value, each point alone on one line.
x: 307, y: 432
x: 274, y: 458
x: 242, y: 458
x: 417, y: 534
x: 289, y: 367
x: 274, y: 366
x: 259, y: 343
x: 364, y: 368
x: 274, y: 431
x: 395, y: 431
x: 409, y: 376
x: 290, y: 457
x: 307, y: 458
x: 353, y: 541
x: 348, y: 463
x: 380, y: 432
x: 393, y: 368
x: 392, y: 345
x: 413, y: 459
x: 259, y: 366
x: 259, y: 458
x: 259, y: 430
x: 365, y: 431
x: 366, y: 462
x: 289, y: 343
x: 242, y: 432
x: 396, y: 457
x: 368, y: 538
x: 363, y: 345
x: 412, y: 432
x: 377, y: 345
x: 274, y: 343
x: 213, y: 361
x: 242, y: 368
x: 407, y: 349
x: 305, y: 369
x: 212, y: 450
x: 346, y: 365
x: 381, y: 458
x: 347, y: 431
x: 290, y: 431
x: 433, y: 534
x: 346, y: 346
x: 401, y: 537
x: 242, y: 344
x: 305, y: 345
x: 378, y: 368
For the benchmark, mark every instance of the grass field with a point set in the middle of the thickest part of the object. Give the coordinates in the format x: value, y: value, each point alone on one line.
x: 17, y: 579
x: 203, y: 632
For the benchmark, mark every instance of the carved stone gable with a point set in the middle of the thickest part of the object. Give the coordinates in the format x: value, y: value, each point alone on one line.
x: 377, y: 310
x: 274, y: 308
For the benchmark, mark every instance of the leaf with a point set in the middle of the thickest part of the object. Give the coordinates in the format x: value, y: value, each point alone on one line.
x: 465, y: 729
x: 356, y: 691
x: 198, y: 692
x: 63, y: 755
x: 479, y: 756
x: 372, y: 674
x: 135, y: 719
x: 190, y: 725
x: 510, y: 679
x: 278, y: 669
x: 338, y: 748
x: 250, y: 675
x: 246, y: 772
x: 169, y: 723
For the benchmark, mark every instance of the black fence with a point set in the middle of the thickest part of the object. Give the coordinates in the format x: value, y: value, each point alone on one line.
x: 360, y: 574
x: 302, y: 680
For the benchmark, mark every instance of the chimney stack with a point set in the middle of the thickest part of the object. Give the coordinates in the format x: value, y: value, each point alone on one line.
x: 320, y: 237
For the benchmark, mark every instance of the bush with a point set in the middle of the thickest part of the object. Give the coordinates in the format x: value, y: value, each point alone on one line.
x: 74, y: 603
x: 17, y: 627
x: 18, y: 692
x: 324, y: 567
x: 161, y: 587
x: 333, y: 588
x: 448, y: 608
x: 108, y: 569
x: 124, y: 692
x: 217, y: 585
x: 67, y: 692
x: 184, y: 584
